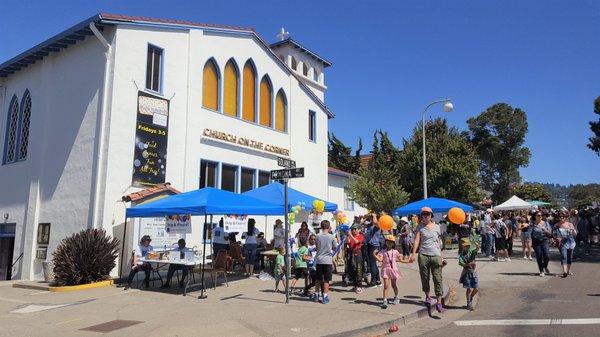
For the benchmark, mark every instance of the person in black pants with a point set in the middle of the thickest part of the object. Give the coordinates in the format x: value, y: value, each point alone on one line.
x: 373, y: 239
x: 540, y: 232
x: 180, y: 250
x: 139, y: 252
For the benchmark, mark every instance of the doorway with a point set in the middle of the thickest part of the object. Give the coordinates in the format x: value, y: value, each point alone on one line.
x: 7, y: 245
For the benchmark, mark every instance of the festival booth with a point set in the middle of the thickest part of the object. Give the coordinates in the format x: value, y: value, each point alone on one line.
x: 207, y: 201
x: 513, y: 204
x: 437, y: 205
x: 274, y: 193
x: 540, y: 204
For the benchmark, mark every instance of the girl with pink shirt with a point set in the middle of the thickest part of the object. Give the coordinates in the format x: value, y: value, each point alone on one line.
x: 389, y: 271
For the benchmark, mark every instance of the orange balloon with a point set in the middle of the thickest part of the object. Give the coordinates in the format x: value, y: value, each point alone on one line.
x: 386, y: 222
x: 456, y: 215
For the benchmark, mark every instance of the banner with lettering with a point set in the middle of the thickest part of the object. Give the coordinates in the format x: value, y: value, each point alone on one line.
x: 179, y: 224
x: 151, y: 136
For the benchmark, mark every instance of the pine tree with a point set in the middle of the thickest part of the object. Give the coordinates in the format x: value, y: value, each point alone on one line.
x: 340, y: 155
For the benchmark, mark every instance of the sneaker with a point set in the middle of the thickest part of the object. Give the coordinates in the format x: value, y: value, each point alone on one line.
x: 373, y: 285
x: 542, y: 274
x: 358, y: 290
x: 530, y: 258
x: 325, y: 299
x: 165, y: 286
x: 428, y: 301
x: 564, y: 275
x: 491, y: 258
x: 501, y: 260
x: 396, y: 300
x: 314, y: 297
x: 470, y: 306
x: 546, y: 270
x: 508, y: 259
x: 571, y: 274
x: 127, y: 286
x: 384, y: 304
x: 439, y: 308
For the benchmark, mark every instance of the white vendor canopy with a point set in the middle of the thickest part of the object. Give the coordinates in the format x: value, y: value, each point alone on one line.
x: 514, y: 203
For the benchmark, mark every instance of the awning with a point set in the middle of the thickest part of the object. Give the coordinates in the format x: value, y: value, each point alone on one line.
x: 273, y: 193
x: 514, y: 203
x: 437, y: 205
x: 205, y: 201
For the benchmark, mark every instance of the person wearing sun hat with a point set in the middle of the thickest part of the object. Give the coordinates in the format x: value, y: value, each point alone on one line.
x: 468, y: 277
x: 429, y: 246
x: 388, y: 256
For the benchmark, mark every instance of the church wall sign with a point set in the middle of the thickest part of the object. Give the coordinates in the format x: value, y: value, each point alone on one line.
x: 245, y: 142
x: 151, y: 137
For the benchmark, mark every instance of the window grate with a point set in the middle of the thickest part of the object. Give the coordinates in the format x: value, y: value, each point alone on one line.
x: 11, y: 139
x: 25, y: 122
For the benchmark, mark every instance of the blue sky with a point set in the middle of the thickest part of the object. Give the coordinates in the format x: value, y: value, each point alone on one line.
x: 391, y: 58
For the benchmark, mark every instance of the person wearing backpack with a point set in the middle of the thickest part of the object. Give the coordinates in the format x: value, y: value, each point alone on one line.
x: 501, y: 237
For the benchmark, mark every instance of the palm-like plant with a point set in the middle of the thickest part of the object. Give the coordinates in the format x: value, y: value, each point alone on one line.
x: 85, y: 257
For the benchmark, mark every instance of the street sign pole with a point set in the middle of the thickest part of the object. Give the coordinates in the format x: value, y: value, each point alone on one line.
x: 287, y: 238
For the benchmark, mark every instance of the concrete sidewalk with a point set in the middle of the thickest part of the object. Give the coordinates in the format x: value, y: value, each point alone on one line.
x: 248, y: 307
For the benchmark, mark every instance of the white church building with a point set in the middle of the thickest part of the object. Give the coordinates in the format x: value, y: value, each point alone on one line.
x: 118, y: 103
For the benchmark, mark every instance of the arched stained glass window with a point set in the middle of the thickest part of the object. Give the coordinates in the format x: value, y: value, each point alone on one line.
x: 280, y: 111
x: 24, y: 128
x: 11, y: 131
x: 230, y: 105
x: 266, y: 105
x: 210, y: 86
x: 249, y: 93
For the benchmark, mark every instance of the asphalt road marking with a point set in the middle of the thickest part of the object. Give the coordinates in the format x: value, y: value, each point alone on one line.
x: 553, y: 321
x: 13, y: 301
x: 68, y: 321
x: 35, y: 308
x: 567, y: 301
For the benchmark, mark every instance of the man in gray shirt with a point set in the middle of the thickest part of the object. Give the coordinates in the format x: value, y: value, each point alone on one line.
x: 326, y: 245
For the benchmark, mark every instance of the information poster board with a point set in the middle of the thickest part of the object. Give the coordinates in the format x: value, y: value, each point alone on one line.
x: 179, y: 224
x: 156, y: 228
x: 235, y: 223
x: 151, y: 137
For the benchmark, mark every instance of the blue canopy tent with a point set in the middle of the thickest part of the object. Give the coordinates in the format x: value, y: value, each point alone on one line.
x: 273, y: 193
x: 437, y: 205
x: 205, y: 201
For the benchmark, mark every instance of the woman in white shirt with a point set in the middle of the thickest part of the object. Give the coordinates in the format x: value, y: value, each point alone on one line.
x: 250, y: 246
x: 278, y: 234
x: 137, y: 265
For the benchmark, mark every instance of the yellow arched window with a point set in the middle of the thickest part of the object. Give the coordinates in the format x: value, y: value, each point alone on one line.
x: 230, y: 98
x: 210, y: 86
x: 249, y: 92
x: 280, y: 111
x: 266, y: 109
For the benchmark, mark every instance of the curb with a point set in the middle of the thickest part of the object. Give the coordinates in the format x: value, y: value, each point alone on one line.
x: 400, y: 321
x: 93, y: 285
x: 31, y: 286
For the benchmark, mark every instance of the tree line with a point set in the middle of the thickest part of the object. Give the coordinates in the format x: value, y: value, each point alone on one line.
x: 463, y: 166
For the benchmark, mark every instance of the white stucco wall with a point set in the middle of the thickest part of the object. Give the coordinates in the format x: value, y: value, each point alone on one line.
x: 335, y: 188
x: 53, y: 183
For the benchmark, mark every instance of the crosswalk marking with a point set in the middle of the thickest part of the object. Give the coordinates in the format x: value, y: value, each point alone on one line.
x: 552, y: 321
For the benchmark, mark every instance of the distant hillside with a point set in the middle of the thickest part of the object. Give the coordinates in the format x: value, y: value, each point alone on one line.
x: 559, y: 192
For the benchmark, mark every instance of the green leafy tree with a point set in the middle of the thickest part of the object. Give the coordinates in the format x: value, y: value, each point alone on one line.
x: 340, y: 155
x: 498, y: 135
x: 377, y: 187
x: 594, y: 143
x: 584, y: 195
x: 452, y: 163
x: 533, y: 191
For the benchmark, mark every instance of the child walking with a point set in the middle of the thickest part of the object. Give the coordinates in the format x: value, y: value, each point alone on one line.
x: 301, y: 266
x: 279, y: 267
x: 326, y: 244
x: 388, y: 257
x: 468, y: 277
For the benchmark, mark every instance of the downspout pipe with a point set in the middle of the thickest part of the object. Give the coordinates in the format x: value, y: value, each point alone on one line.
x: 100, y: 146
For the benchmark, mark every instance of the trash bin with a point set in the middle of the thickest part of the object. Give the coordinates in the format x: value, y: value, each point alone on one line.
x: 48, y: 269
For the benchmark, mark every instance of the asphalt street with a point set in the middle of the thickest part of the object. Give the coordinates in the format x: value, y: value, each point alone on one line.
x: 575, y: 297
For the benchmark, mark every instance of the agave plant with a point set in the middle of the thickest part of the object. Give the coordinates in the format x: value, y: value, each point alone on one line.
x: 85, y: 257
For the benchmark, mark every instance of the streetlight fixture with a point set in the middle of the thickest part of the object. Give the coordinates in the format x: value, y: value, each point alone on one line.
x: 448, y: 106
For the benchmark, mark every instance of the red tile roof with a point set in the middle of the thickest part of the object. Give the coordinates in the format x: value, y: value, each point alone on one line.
x: 149, y: 192
x: 339, y: 172
x: 365, y: 159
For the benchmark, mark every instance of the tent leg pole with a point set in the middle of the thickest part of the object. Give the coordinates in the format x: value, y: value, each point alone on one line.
x: 122, y: 251
x: 202, y: 295
x: 287, y: 245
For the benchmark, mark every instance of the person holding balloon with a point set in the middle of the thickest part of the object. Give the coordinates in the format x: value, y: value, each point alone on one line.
x: 354, y: 243
x: 429, y: 246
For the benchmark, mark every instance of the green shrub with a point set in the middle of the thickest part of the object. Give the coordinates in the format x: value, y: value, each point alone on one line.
x: 85, y: 257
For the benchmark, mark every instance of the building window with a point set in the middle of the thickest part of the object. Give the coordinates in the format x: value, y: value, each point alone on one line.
x: 10, y: 139
x: 208, y: 174
x: 228, y: 178
x: 230, y: 105
x: 43, y: 235
x: 153, y: 68
x: 249, y: 93
x: 280, y: 111
x: 264, y: 178
x: 266, y: 94
x: 247, y: 182
x: 305, y: 69
x: 312, y: 126
x: 316, y: 75
x: 348, y: 204
x: 210, y: 86
x: 24, y: 128
x: 294, y: 63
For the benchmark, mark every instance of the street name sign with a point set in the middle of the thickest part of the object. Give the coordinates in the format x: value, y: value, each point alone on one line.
x: 287, y: 173
x: 287, y: 163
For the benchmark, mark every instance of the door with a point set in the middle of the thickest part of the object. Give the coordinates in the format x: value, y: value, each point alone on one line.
x: 7, y: 244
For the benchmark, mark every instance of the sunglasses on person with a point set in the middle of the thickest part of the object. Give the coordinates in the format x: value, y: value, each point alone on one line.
x: 425, y: 214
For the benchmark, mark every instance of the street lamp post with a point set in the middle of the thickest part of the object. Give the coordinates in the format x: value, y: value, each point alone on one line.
x: 447, y: 108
